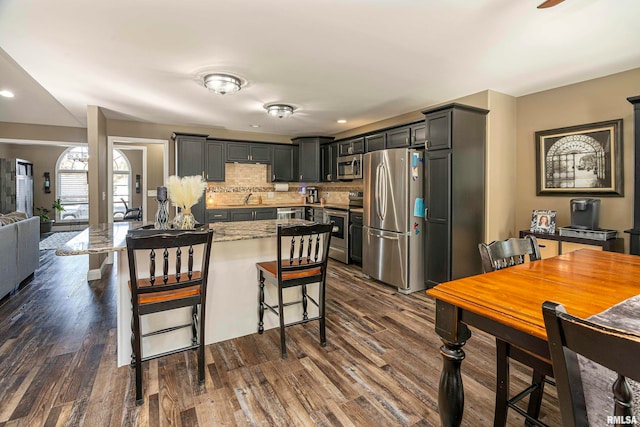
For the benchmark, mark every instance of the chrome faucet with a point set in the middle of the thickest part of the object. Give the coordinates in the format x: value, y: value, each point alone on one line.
x: 246, y: 198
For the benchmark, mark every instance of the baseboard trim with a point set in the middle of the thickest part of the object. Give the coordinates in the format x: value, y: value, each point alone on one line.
x: 96, y: 273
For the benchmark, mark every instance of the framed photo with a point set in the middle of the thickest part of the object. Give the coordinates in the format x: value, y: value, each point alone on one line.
x: 581, y: 160
x: 543, y: 222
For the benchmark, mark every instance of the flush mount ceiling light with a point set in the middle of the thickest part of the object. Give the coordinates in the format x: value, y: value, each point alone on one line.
x: 6, y: 93
x: 222, y: 84
x: 281, y: 111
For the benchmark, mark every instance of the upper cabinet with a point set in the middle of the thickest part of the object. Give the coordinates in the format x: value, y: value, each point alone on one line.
x: 245, y: 152
x: 375, y: 142
x: 309, y: 157
x: 352, y: 146
x: 438, y: 130
x: 214, y: 164
x: 398, y: 138
x: 329, y: 156
x: 284, y: 163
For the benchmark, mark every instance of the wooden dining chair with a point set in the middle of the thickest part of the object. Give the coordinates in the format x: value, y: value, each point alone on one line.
x: 183, y: 285
x: 610, y: 357
x: 496, y: 256
x: 299, y: 263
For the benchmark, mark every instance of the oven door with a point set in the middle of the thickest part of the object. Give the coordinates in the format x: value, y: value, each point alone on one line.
x: 339, y: 248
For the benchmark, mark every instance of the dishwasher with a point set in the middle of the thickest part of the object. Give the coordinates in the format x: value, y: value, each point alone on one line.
x: 289, y: 213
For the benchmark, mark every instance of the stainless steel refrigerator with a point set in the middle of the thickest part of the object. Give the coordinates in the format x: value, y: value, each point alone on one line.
x: 394, y: 218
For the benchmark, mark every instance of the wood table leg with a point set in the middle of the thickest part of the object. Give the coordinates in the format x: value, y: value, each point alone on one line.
x: 454, y: 335
x: 451, y: 391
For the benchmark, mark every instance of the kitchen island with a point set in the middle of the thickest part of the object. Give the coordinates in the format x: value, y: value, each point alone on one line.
x: 232, y: 294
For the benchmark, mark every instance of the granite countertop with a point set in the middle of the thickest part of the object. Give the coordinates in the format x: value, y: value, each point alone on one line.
x: 343, y: 206
x: 111, y: 237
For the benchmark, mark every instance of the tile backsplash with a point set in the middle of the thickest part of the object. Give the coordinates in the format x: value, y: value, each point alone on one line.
x: 242, y: 179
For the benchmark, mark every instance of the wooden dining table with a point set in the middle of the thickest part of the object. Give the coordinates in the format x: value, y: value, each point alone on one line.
x: 508, y: 304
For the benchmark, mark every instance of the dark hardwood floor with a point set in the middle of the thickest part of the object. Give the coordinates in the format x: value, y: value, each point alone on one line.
x: 381, y: 365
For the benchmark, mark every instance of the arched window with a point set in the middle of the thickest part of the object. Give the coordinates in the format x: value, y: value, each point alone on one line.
x: 72, y: 184
x: 121, y: 183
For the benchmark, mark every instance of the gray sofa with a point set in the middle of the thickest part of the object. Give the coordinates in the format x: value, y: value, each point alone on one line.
x: 19, y: 252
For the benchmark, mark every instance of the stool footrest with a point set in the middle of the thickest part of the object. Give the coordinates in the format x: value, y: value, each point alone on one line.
x: 162, y: 331
x: 178, y: 350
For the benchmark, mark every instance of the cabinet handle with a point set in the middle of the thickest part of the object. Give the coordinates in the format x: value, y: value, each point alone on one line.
x: 300, y: 177
x: 207, y: 176
x: 202, y: 174
x: 218, y: 216
x: 273, y: 177
x: 406, y: 140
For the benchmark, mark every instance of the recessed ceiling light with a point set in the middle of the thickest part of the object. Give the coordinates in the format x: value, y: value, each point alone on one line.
x: 341, y: 121
x: 254, y: 126
x: 6, y: 93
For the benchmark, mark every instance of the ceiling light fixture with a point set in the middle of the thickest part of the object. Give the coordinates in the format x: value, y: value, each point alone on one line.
x: 281, y: 111
x: 222, y: 84
x: 6, y: 93
x: 342, y: 121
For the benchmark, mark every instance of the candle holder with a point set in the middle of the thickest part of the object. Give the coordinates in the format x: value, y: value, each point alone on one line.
x: 162, y: 215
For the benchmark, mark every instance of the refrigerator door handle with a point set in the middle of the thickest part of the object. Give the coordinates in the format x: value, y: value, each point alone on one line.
x: 377, y: 195
x: 383, y: 191
x: 382, y: 236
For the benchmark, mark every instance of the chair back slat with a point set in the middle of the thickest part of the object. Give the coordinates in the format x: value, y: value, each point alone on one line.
x: 165, y: 266
x: 178, y: 263
x: 301, y: 249
x: 152, y: 266
x: 507, y: 253
x: 190, y: 262
x: 573, y: 341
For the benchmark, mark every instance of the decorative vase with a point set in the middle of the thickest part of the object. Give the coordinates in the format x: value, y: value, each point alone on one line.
x: 162, y: 215
x: 185, y: 220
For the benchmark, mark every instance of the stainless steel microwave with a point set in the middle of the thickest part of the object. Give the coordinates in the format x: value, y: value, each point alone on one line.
x: 350, y: 167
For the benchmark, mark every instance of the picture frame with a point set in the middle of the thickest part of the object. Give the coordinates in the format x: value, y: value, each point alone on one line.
x: 583, y: 160
x: 543, y: 221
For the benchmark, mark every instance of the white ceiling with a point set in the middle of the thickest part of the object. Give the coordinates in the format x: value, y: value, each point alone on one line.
x: 361, y: 60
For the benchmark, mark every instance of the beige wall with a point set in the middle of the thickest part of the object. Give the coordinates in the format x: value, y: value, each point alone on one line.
x: 97, y: 139
x: 587, y: 102
x: 135, y: 161
x: 500, y: 167
x: 5, y: 151
x: 44, y: 159
x: 42, y: 132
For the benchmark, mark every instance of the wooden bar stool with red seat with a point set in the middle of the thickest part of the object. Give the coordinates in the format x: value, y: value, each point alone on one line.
x: 304, y: 263
x: 173, y: 288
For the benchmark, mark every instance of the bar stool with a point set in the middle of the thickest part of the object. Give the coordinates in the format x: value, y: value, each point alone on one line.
x: 302, y: 262
x: 173, y: 288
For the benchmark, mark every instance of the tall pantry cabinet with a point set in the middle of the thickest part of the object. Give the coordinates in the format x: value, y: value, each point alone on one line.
x: 454, y: 191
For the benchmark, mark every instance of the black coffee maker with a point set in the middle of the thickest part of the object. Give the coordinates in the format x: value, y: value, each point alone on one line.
x: 585, y: 213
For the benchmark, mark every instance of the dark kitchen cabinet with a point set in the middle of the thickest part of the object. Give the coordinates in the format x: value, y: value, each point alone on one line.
x: 438, y: 130
x: 329, y: 155
x: 214, y: 164
x: 284, y: 164
x: 252, y: 214
x: 245, y: 152
x: 217, y: 215
x: 355, y: 238
x: 418, y: 134
x: 352, y: 146
x: 309, y: 157
x: 454, y: 192
x: 265, y: 213
x: 191, y: 160
x: 399, y: 138
x: 375, y: 142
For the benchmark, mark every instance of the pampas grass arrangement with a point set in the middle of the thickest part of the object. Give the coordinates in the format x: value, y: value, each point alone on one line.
x: 186, y: 191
